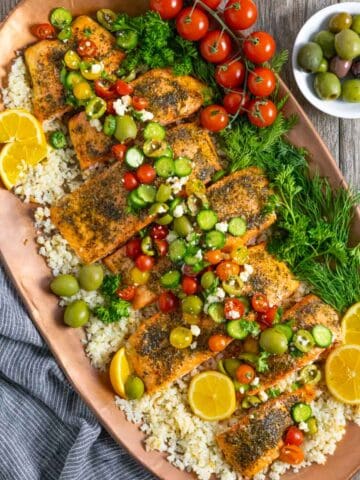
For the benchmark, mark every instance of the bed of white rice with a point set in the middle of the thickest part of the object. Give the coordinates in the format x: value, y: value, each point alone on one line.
x: 165, y: 417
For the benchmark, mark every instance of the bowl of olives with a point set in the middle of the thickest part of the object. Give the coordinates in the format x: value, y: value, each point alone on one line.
x: 326, y: 60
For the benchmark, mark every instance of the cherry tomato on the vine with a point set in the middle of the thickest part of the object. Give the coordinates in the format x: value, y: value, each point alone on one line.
x: 236, y: 102
x: 214, y: 118
x: 130, y: 181
x: 43, y: 31
x: 123, y: 88
x: 291, y: 454
x: 133, y: 248
x: 139, y: 103
x: 145, y: 262
x: 119, y: 151
x: 233, y: 308
x: 189, y: 285
x: 105, y: 89
x: 294, y: 436
x: 162, y: 247
x: 259, y: 302
x: 168, y: 302
x: 159, y: 232
x: 230, y: 74
x: 218, y: 343
x: 192, y: 23
x: 259, y: 47
x: 215, y: 47
x: 245, y: 374
x: 146, y: 173
x: 261, y: 82
x: 262, y: 112
x: 212, y: 3
x: 240, y: 14
x: 127, y: 293
x: 167, y: 9
x: 86, y: 48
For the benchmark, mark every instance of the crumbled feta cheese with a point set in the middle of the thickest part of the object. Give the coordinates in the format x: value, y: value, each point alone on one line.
x: 248, y: 268
x: 95, y: 123
x: 242, y: 389
x: 162, y: 209
x: 179, y: 211
x: 263, y: 396
x: 256, y: 381
x: 195, y: 330
x: 119, y: 107
x: 145, y: 116
x: 96, y: 68
x: 217, y: 296
x: 233, y: 314
x: 177, y: 183
x: 303, y: 426
x: 222, y: 227
x: 172, y: 235
x: 220, y: 292
x: 199, y: 255
x: 126, y: 100
x: 244, y: 276
x: 193, y: 345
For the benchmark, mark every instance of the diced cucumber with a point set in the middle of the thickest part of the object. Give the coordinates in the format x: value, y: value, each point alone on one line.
x: 183, y: 167
x: 301, y: 412
x: 207, y: 219
x: 216, y: 312
x: 134, y: 157
x: 235, y: 330
x: 135, y: 201
x: 154, y: 131
x: 215, y: 239
x: 237, y: 226
x: 171, y: 279
x: 164, y: 167
x: 177, y: 250
x: 147, y: 193
x: 158, y: 208
x: 165, y: 220
x: 322, y: 335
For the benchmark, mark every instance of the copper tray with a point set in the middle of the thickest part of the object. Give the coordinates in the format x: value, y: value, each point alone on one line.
x: 31, y: 275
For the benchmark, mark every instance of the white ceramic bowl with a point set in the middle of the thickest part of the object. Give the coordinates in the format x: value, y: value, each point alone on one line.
x: 305, y: 81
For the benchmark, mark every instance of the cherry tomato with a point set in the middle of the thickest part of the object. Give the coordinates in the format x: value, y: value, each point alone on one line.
x: 233, y: 308
x: 123, y: 88
x: 291, y: 454
x: 262, y: 113
x: 259, y: 303
x: 162, y: 247
x: 110, y: 108
x: 214, y: 118
x: 294, y: 436
x: 245, y: 374
x: 189, y: 285
x: 130, y: 181
x: 43, y: 31
x: 168, y: 302
x: 159, y: 232
x: 236, y: 101
x: 262, y: 82
x: 215, y: 47
x: 139, y: 103
x: 259, y: 47
x: 133, y: 248
x: 145, y: 263
x: 192, y: 23
x: 105, y: 89
x: 167, y: 9
x: 269, y: 316
x: 146, y: 173
x: 189, y: 271
x: 230, y: 75
x: 119, y: 151
x: 227, y: 269
x: 214, y: 256
x: 240, y: 14
x: 212, y: 3
x: 127, y: 293
x: 86, y: 48
x: 218, y: 343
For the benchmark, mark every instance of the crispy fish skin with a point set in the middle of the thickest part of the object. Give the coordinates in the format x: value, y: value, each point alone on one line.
x: 156, y: 361
x: 94, y: 218
x: 255, y: 442
x: 170, y: 97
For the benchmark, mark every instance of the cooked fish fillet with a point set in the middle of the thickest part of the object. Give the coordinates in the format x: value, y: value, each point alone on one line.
x: 44, y: 62
x: 255, y: 442
x: 170, y: 97
x: 156, y: 361
x: 94, y: 218
x: 306, y: 314
x: 91, y: 146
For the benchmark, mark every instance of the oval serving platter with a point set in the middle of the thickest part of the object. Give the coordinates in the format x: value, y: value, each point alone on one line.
x: 31, y: 276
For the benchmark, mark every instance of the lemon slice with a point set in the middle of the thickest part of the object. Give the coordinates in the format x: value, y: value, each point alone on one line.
x: 351, y: 325
x: 212, y: 396
x: 119, y: 372
x: 20, y: 126
x: 342, y: 372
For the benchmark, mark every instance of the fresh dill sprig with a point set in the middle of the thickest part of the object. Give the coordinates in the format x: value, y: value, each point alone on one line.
x: 279, y: 60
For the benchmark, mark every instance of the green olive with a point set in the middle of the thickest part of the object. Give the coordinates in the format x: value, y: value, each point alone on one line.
x: 356, y: 24
x: 310, y: 56
x: 134, y: 387
x: 340, y: 21
x: 351, y: 91
x: 347, y: 44
x: 326, y: 40
x: 182, y: 226
x: 91, y: 277
x: 126, y: 128
x: 192, y: 304
x: 207, y: 280
x: 180, y: 337
x: 76, y: 314
x: 273, y: 341
x: 64, y: 285
x: 231, y: 365
x: 323, y: 67
x: 327, y: 86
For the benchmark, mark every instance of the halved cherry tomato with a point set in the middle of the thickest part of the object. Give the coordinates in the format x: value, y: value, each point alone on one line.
x: 146, y: 173
x: 236, y: 102
x: 214, y: 118
x: 245, y: 374
x: 189, y: 285
x: 104, y: 89
x: 227, y: 269
x: 231, y: 74
x: 214, y: 256
x: 145, y: 263
x: 130, y: 181
x: 159, y: 232
x: 192, y: 23
x: 240, y: 14
x: 215, y: 47
x: 43, y: 31
x: 162, y: 247
x: 262, y: 82
x: 233, y: 308
x: 259, y: 303
x: 139, y: 103
x: 86, y: 48
x: 259, y: 47
x: 127, y: 293
x: 167, y: 9
x: 291, y: 454
x: 133, y: 248
x: 168, y: 302
x: 119, y: 151
x: 123, y: 88
x: 189, y: 271
x: 294, y: 436
x: 262, y: 112
x: 269, y: 316
x: 212, y: 3
x: 218, y: 343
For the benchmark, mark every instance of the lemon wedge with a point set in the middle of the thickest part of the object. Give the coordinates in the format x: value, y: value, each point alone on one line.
x: 342, y: 372
x: 20, y: 126
x: 119, y: 372
x: 351, y: 325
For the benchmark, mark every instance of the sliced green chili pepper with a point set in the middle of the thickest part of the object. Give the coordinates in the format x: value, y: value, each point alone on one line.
x: 109, y: 125
x: 58, y: 140
x: 96, y: 108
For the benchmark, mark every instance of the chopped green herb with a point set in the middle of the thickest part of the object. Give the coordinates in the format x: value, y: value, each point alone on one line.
x: 113, y: 311
x: 273, y: 392
x: 110, y: 284
x: 261, y: 364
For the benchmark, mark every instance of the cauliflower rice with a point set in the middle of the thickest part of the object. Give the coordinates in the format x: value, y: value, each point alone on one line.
x: 165, y: 417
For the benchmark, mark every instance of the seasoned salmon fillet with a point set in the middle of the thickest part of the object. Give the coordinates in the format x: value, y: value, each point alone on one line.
x: 156, y: 361
x: 170, y: 97
x: 94, y: 218
x: 306, y: 314
x: 255, y: 442
x: 44, y: 63
x: 91, y: 146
